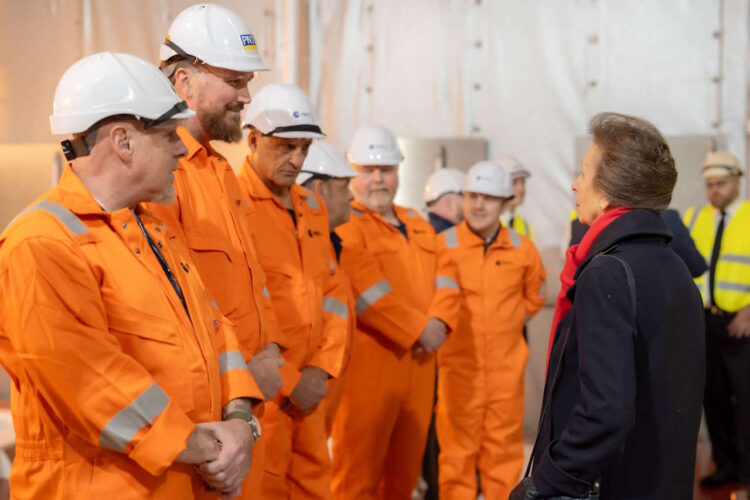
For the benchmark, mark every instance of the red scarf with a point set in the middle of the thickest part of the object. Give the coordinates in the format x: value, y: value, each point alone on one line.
x: 573, y: 258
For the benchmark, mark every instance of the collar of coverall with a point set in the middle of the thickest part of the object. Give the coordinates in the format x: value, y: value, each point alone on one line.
x: 502, y: 240
x: 194, y: 147
x: 80, y: 201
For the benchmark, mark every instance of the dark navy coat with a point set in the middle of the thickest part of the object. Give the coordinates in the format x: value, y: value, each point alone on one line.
x: 626, y: 406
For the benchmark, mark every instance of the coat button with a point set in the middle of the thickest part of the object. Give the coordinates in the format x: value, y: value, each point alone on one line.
x: 125, y: 225
x: 137, y: 250
x: 158, y: 229
x: 159, y: 243
x: 497, y: 262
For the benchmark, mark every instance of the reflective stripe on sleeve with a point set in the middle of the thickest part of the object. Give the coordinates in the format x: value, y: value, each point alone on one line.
x: 231, y: 360
x: 335, y: 306
x: 121, y: 428
x: 372, y: 295
x: 446, y: 282
x: 515, y: 238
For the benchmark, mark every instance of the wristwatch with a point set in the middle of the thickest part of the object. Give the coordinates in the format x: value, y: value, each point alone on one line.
x: 248, y: 417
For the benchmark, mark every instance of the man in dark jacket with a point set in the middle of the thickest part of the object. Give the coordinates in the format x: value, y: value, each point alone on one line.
x: 627, y: 382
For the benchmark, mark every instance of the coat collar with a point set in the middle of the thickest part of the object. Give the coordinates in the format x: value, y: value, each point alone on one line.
x: 195, y: 148
x: 636, y: 224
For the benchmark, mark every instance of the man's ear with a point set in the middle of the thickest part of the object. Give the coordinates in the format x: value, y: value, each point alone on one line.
x: 320, y: 188
x: 184, y: 82
x: 120, y: 137
x: 252, y: 138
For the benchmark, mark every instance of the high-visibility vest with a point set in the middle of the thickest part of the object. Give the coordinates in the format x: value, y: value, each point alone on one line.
x: 732, y: 281
x: 521, y: 226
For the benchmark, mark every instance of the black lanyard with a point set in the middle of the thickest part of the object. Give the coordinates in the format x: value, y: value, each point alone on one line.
x: 164, y: 264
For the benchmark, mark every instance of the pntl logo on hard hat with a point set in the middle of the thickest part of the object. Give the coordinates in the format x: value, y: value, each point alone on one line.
x: 297, y: 114
x: 248, y: 42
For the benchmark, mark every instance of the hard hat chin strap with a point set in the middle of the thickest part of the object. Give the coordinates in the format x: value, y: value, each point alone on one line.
x: 80, y: 146
x: 169, y: 43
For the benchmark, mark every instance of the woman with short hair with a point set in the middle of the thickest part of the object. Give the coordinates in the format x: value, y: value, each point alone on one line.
x: 625, y: 373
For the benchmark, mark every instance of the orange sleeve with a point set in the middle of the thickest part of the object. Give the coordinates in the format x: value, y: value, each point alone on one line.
x: 332, y: 347
x: 447, y: 300
x: 534, y: 286
x: 236, y: 380
x: 377, y: 305
x: 55, y: 321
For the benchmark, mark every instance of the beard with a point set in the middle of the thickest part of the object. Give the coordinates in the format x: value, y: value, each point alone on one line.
x: 166, y: 196
x: 221, y: 126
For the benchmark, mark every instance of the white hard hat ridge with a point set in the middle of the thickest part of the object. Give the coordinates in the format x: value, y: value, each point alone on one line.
x: 374, y: 145
x: 489, y: 178
x: 108, y: 84
x: 214, y: 35
x: 515, y: 168
x: 443, y: 181
x: 325, y: 160
x: 283, y: 110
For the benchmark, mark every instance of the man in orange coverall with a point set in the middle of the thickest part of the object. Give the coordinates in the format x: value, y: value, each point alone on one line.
x: 204, y: 57
x: 121, y: 368
x: 405, y: 310
x: 326, y: 172
x: 290, y: 225
x: 481, y: 366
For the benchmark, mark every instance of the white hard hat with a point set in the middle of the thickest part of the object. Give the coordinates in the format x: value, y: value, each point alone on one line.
x: 324, y: 159
x: 514, y: 167
x: 108, y: 84
x: 215, y: 36
x: 374, y: 145
x: 283, y: 110
x: 488, y: 177
x: 444, y: 180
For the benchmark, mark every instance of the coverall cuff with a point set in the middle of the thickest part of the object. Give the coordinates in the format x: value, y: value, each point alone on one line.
x: 239, y: 383
x: 326, y: 367
x: 552, y: 481
x: 290, y: 378
x: 408, y: 341
x: 164, y: 441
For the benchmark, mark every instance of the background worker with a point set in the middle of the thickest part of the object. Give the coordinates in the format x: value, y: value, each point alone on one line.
x: 205, y: 57
x: 481, y: 366
x: 404, y: 313
x: 291, y: 230
x: 121, y: 368
x: 326, y: 172
x: 518, y: 174
x: 442, y: 195
x: 721, y: 231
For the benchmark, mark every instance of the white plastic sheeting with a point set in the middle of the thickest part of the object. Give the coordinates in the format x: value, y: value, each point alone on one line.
x: 529, y: 74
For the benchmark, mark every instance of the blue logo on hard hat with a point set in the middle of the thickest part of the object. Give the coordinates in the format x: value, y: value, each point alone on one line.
x: 248, y: 42
x: 295, y: 114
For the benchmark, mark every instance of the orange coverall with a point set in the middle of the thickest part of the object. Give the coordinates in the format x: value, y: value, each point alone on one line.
x: 214, y: 217
x: 479, y: 416
x: 310, y: 306
x: 381, y: 427
x: 109, y: 373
